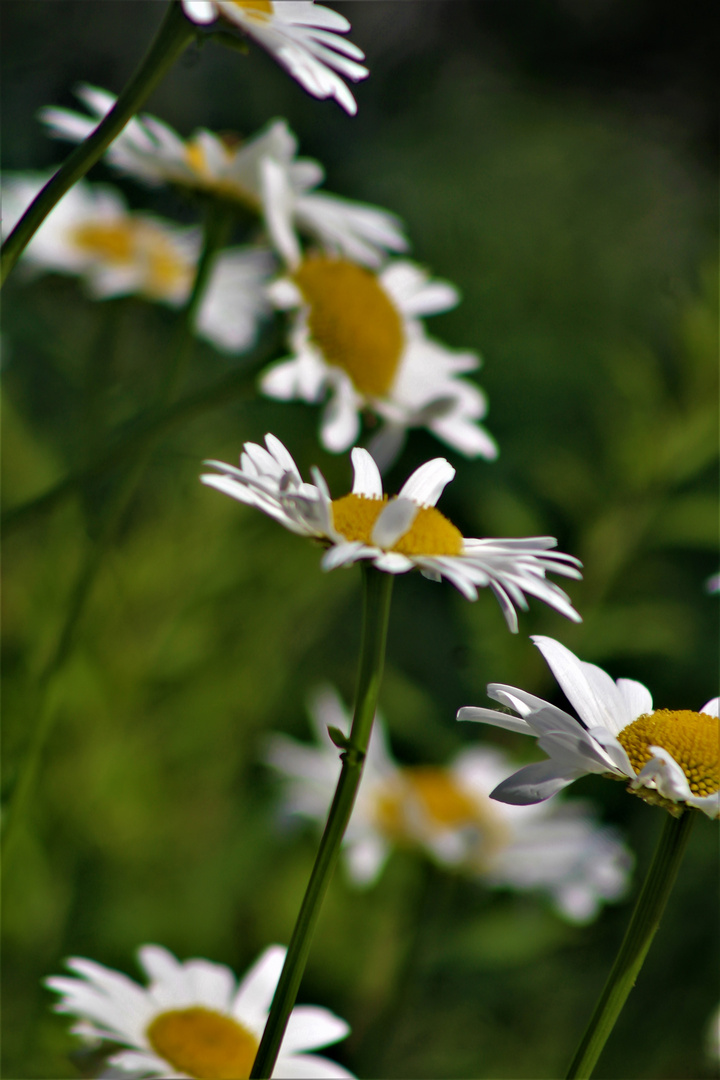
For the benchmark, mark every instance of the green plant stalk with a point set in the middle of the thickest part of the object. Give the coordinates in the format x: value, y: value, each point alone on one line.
x: 638, y: 938
x: 217, y: 225
x: 377, y: 590
x: 173, y: 37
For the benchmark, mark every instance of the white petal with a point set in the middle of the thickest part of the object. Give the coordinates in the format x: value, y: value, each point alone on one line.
x: 366, y: 480
x: 638, y: 697
x: 595, y: 696
x: 711, y: 707
x: 309, y: 1067
x: 496, y: 719
x: 311, y: 1027
x: 200, y: 11
x: 392, y: 562
x: 394, y: 521
x: 256, y: 990
x: 427, y: 483
x: 532, y: 784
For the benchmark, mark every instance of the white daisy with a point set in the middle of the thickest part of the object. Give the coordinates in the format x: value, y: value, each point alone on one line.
x: 671, y: 757
x: 446, y: 812
x: 357, y: 336
x: 302, y: 36
x: 263, y: 173
x: 396, y: 535
x: 92, y: 234
x: 194, y: 1019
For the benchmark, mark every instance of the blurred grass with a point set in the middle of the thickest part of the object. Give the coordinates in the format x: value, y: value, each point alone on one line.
x: 581, y: 232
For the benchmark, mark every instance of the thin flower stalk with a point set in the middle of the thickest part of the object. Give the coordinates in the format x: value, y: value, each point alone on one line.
x: 377, y: 590
x: 173, y: 37
x: 636, y: 943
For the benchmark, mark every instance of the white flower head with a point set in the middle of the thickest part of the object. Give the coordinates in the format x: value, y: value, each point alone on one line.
x: 670, y: 757
x: 302, y: 36
x: 398, y: 534
x: 446, y: 813
x: 116, y: 252
x: 262, y: 173
x: 357, y: 338
x: 193, y: 1018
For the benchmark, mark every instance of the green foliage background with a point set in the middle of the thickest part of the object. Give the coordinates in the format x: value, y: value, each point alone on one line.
x: 574, y: 205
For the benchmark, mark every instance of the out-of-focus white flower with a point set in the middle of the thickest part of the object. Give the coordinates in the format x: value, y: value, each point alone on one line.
x: 92, y: 234
x: 399, y: 534
x: 669, y: 756
x: 712, y: 1038
x: 262, y: 173
x: 712, y: 585
x: 302, y: 36
x: 194, y: 1019
x: 447, y: 813
x: 357, y: 337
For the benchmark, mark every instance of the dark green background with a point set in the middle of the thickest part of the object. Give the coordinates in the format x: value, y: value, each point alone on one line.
x: 556, y: 160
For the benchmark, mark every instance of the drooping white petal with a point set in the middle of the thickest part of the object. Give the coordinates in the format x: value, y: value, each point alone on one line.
x: 533, y: 783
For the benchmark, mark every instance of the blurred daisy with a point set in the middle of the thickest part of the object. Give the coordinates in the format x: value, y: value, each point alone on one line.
x: 302, y: 36
x: 193, y: 1019
x: 670, y: 756
x: 262, y: 173
x: 712, y: 585
x: 91, y: 234
x: 396, y: 535
x: 357, y: 336
x: 446, y: 813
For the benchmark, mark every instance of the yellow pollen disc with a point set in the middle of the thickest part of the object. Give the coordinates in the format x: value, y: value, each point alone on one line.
x: 353, y: 321
x: 203, y: 1044
x: 115, y: 243
x: 693, y: 740
x: 254, y: 6
x: 431, y: 533
x: 195, y: 158
x: 423, y: 798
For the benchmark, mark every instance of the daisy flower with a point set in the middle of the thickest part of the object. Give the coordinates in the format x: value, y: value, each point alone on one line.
x: 193, y: 1019
x: 93, y: 235
x: 446, y: 813
x: 399, y: 534
x: 262, y: 173
x: 358, y: 338
x: 302, y: 36
x: 669, y: 756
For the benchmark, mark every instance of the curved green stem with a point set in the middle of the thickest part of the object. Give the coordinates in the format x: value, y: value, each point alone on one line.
x: 217, y: 226
x: 638, y: 938
x: 173, y: 37
x: 377, y: 590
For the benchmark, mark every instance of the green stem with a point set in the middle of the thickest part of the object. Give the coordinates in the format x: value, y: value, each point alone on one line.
x: 638, y: 938
x: 173, y: 37
x: 218, y: 224
x: 377, y: 590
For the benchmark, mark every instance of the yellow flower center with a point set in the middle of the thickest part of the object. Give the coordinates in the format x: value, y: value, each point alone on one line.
x: 114, y: 242
x: 693, y: 740
x: 431, y: 797
x: 203, y: 1043
x: 255, y: 7
x: 431, y: 533
x: 353, y: 321
x: 138, y: 243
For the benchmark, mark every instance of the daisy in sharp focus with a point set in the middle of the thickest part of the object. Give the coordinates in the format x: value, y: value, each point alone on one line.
x: 445, y: 811
x: 302, y: 36
x: 262, y: 173
x: 399, y: 534
x: 194, y: 1019
x: 116, y: 252
x: 671, y: 757
x: 357, y: 338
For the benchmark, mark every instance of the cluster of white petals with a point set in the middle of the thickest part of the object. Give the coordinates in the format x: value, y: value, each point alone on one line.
x: 588, y: 743
x: 118, y: 252
x: 446, y: 813
x: 110, y: 1006
x: 300, y: 35
x: 269, y: 479
x: 263, y: 173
